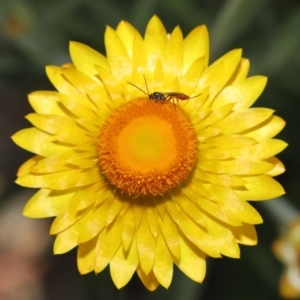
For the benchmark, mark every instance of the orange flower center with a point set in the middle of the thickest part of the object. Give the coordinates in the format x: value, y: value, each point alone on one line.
x: 147, y: 148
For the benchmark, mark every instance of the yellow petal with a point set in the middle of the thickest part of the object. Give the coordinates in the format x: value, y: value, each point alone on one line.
x: 51, y: 164
x: 241, y: 120
x: 263, y: 150
x: 192, y: 210
x: 92, y: 129
x: 46, y: 102
x: 46, y: 203
x: 93, y: 194
x: 248, y: 91
x: 192, y: 260
x: 190, y: 78
x: 196, y: 45
x: 271, y: 128
x: 38, y: 142
x: 278, y: 166
x: 128, y: 228
x: 163, y: 264
x: 220, y: 212
x: 145, y: 246
x: 139, y: 66
x: 207, y: 133
x: 158, y: 79
x: 66, y: 218
x: 248, y: 214
x: 243, y: 93
x: 60, y: 83
x: 220, y: 179
x: 210, y: 153
x: 198, y: 236
x: 241, y: 71
x: 173, y: 55
x: 138, y: 211
x: 172, y: 208
x: 115, y: 91
x: 68, y: 239
x: 170, y: 233
x: 152, y: 218
x: 89, y: 87
x: 155, y: 42
x: 229, y: 200
x: 224, y: 238
x: 27, y: 166
x: 118, y: 59
x: 86, y: 256
x: 149, y: 280
x: 52, y: 124
x: 235, y: 167
x: 245, y: 234
x: 108, y: 244
x: 79, y: 109
x: 126, y: 32
x: 213, y: 117
x: 65, y: 180
x: 85, y: 58
x: 68, y: 160
x: 228, y: 142
x: 261, y: 187
x: 218, y: 74
x: 97, y: 221
x: 117, y: 206
x: 123, y: 265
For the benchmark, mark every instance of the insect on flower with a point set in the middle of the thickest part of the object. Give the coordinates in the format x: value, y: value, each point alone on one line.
x: 164, y: 97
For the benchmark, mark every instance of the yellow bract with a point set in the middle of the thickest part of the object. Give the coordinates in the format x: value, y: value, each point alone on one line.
x: 168, y: 183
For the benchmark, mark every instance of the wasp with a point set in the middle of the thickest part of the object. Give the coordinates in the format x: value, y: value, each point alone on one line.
x: 164, y: 97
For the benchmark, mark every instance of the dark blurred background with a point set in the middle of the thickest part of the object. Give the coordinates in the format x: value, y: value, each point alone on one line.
x: 35, y: 33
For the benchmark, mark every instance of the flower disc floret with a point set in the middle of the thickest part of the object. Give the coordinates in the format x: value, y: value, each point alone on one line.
x: 147, y: 148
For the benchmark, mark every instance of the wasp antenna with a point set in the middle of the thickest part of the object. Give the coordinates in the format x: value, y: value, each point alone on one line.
x: 138, y: 88
x: 195, y: 96
x: 146, y: 84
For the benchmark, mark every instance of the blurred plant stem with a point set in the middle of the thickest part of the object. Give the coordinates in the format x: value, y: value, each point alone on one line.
x: 224, y: 31
x: 282, y: 46
x: 122, y: 294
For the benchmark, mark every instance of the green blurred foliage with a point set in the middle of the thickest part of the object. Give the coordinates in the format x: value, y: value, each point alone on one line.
x: 35, y: 33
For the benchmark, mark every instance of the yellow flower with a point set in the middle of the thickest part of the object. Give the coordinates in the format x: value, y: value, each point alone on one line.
x: 140, y: 180
x: 287, y: 250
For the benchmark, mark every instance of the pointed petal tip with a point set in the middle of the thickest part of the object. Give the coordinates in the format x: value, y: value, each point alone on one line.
x: 26, y: 212
x: 108, y: 29
x: 75, y: 44
x: 155, y: 25
x: 123, y: 23
x: 155, y: 18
